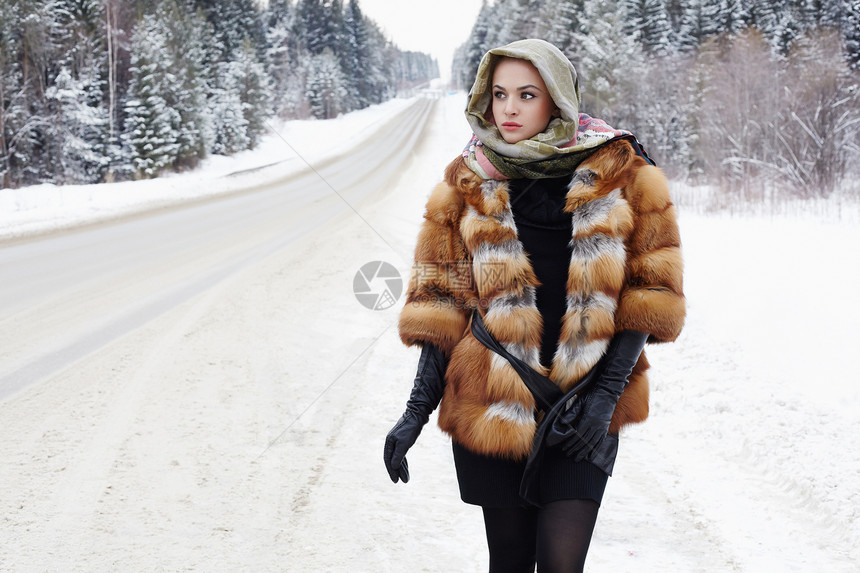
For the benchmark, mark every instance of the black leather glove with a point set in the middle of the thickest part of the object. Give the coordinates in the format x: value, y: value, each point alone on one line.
x: 599, y: 402
x: 426, y: 395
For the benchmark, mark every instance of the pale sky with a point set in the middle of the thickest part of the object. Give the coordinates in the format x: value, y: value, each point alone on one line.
x: 436, y: 27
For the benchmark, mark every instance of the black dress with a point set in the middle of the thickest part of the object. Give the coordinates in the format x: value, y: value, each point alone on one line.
x: 544, y: 229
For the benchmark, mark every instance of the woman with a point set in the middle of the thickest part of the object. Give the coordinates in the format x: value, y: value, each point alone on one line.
x: 561, y: 236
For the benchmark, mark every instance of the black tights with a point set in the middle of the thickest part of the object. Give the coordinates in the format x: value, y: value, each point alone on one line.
x: 555, y: 536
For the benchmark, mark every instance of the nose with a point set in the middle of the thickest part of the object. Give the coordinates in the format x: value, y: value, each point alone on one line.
x: 511, y: 106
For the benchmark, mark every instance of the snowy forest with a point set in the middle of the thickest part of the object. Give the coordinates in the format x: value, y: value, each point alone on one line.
x: 757, y: 97
x: 106, y: 90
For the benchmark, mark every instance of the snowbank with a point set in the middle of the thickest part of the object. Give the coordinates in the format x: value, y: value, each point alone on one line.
x: 287, y: 148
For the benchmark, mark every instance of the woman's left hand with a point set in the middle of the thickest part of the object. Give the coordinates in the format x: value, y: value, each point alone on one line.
x: 599, y: 405
x: 592, y: 425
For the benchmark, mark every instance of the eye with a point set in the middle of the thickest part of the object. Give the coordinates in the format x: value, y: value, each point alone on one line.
x: 527, y: 95
x: 499, y: 94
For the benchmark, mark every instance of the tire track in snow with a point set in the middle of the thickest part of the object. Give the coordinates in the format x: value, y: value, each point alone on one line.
x: 79, y: 493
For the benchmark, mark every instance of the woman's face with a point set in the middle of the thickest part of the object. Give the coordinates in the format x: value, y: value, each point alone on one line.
x: 522, y: 106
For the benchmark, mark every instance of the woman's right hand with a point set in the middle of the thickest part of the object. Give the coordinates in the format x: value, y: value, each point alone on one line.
x: 398, y: 441
x: 426, y: 395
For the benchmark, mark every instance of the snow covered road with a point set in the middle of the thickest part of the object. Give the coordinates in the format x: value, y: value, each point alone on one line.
x: 64, y: 296
x: 227, y: 408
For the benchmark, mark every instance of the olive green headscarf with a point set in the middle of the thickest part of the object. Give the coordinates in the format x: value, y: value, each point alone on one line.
x: 551, y: 153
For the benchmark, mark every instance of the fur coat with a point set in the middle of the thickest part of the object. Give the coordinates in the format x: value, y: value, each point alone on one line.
x: 625, y: 273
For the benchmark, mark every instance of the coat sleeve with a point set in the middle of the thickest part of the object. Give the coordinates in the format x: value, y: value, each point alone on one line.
x: 441, y: 292
x: 652, y: 298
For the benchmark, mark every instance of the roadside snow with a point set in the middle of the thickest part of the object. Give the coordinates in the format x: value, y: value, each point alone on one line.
x: 286, y: 149
x: 749, y: 447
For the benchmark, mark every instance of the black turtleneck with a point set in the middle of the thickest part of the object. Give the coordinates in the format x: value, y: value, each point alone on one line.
x: 545, y: 229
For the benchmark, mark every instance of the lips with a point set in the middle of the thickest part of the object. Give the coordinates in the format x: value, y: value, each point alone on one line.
x: 511, y: 125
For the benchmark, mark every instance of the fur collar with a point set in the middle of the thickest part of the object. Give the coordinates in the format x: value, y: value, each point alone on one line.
x: 505, y: 279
